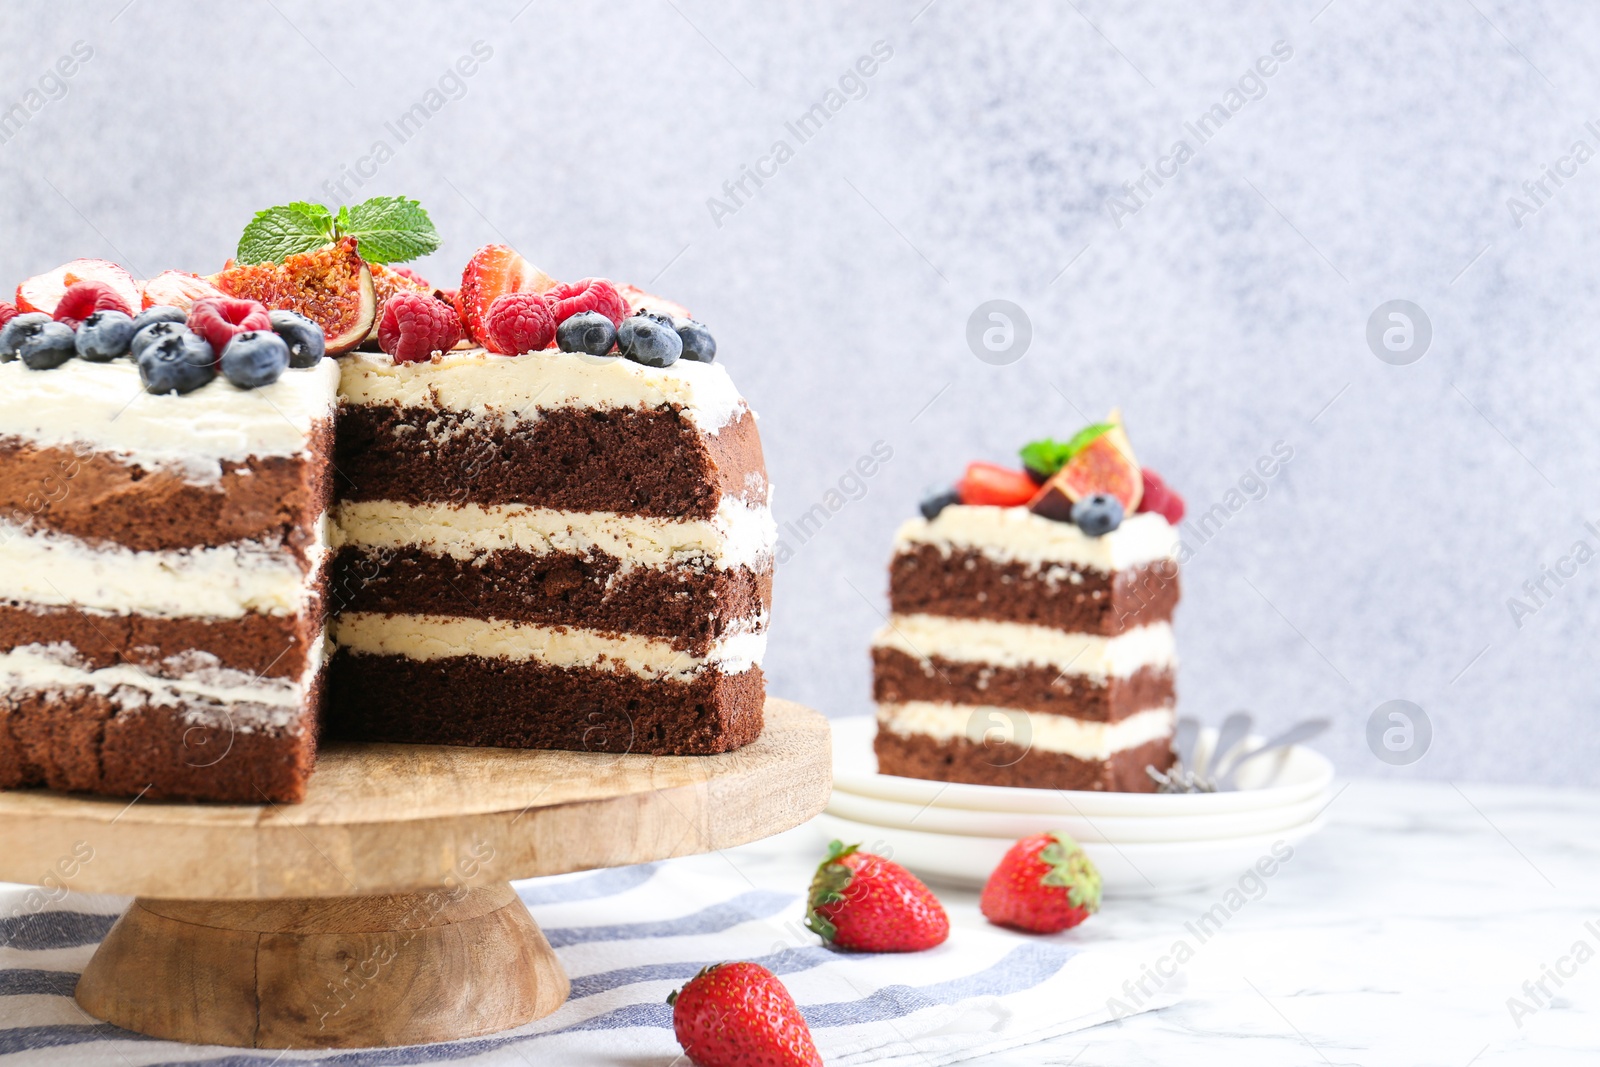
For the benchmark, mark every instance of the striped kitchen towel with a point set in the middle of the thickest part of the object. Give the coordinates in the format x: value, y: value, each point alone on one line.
x: 627, y: 938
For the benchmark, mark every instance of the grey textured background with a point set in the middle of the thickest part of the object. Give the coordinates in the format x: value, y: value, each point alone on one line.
x: 1225, y: 315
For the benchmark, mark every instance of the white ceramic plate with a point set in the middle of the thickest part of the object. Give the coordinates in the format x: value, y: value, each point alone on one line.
x: 1131, y: 870
x: 1123, y: 829
x: 1270, y: 782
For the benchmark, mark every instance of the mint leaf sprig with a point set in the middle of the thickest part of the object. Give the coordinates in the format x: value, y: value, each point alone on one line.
x: 390, y: 229
x: 1046, y: 456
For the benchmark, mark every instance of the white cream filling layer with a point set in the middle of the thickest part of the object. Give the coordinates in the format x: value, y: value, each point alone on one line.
x: 103, y: 407
x: 194, y: 681
x: 1017, y: 535
x: 1010, y: 644
x: 518, y: 386
x: 737, y: 536
x: 982, y: 724
x: 224, y: 582
x: 433, y: 637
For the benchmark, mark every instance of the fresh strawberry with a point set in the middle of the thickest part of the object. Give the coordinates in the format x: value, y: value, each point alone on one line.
x: 176, y: 288
x: 986, y: 483
x: 1160, y: 498
x: 44, y: 291
x: 639, y: 300
x: 1044, y: 884
x: 494, y: 271
x: 591, y: 294
x: 83, y: 299
x: 870, y: 904
x: 518, y: 323
x: 219, y: 318
x: 8, y: 311
x: 740, y: 1015
x: 414, y: 326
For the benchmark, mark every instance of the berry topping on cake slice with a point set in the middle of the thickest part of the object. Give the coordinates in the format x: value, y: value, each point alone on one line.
x: 414, y: 326
x: 494, y: 271
x: 567, y: 299
x: 44, y: 291
x: 83, y: 299
x: 219, y: 319
x: 518, y: 323
x: 176, y: 288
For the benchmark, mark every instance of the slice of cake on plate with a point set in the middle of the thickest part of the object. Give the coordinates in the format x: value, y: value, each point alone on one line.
x: 163, y: 552
x: 551, y: 548
x: 1030, y: 638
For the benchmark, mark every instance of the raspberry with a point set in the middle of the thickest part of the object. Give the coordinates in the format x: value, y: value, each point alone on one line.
x: 218, y: 318
x: 411, y: 275
x: 414, y: 326
x: 519, y: 322
x: 8, y: 311
x: 1160, y: 498
x: 590, y: 294
x: 83, y: 299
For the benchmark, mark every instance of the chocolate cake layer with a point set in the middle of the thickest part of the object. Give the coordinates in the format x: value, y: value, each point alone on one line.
x: 82, y: 741
x: 689, y: 606
x: 271, y: 646
x: 968, y: 584
x: 498, y: 703
x: 960, y: 760
x: 897, y: 678
x: 101, y: 498
x: 630, y: 461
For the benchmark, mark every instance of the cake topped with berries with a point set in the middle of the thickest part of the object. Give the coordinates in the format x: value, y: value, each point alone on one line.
x: 1030, y: 638
x: 312, y: 493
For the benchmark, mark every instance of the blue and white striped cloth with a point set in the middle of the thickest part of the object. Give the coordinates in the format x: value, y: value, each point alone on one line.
x: 627, y: 938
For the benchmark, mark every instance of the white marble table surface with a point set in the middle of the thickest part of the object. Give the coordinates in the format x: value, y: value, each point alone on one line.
x: 1394, y: 937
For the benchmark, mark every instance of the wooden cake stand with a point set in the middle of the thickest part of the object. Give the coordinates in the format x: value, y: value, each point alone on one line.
x: 379, y: 911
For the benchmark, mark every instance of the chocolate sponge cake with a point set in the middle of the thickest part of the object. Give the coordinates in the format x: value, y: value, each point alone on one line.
x: 549, y: 550
x: 162, y: 564
x: 1030, y: 642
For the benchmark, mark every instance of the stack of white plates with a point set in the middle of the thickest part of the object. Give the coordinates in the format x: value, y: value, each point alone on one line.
x: 1144, y: 844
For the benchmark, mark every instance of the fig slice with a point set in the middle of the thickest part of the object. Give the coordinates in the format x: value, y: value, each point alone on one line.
x: 331, y: 286
x: 1105, y: 465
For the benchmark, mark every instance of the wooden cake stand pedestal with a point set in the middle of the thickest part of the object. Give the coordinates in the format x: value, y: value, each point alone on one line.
x: 379, y: 911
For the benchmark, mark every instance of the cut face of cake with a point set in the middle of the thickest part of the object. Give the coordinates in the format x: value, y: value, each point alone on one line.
x: 1025, y: 650
x: 550, y: 550
x: 162, y: 560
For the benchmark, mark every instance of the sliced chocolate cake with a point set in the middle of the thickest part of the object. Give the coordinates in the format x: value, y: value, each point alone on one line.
x: 550, y: 549
x: 162, y: 560
x: 1030, y: 650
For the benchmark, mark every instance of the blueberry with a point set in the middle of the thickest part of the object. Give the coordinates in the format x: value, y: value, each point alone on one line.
x: 146, y: 336
x: 13, y: 332
x: 255, y: 358
x: 588, y: 332
x: 647, y: 340
x: 176, y: 362
x: 104, y: 336
x: 658, y: 316
x: 307, y: 343
x: 698, y: 344
x: 159, y: 313
x: 48, y: 345
x: 934, y: 503
x: 1097, y: 514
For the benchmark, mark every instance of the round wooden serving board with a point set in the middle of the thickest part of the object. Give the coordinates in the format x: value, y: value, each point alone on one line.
x: 377, y: 912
